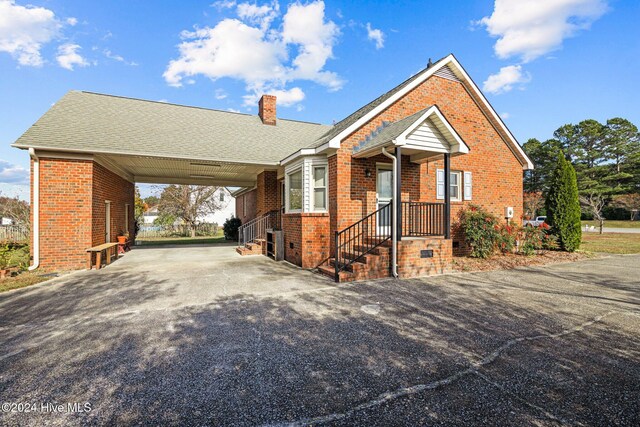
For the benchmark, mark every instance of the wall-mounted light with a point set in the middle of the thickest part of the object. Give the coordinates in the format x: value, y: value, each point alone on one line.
x: 367, y: 173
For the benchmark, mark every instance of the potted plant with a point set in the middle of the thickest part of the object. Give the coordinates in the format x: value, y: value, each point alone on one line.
x: 122, y: 237
x: 5, y: 255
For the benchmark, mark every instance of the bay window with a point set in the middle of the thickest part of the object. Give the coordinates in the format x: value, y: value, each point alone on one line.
x: 306, y: 185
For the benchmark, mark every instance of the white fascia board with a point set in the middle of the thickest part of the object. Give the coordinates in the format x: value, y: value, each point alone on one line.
x: 299, y: 153
x: 454, y: 61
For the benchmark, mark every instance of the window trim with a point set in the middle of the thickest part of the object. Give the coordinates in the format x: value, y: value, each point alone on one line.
x: 460, y: 185
x: 313, y: 188
x: 288, y: 189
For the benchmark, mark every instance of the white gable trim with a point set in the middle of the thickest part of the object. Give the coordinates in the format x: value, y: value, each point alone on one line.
x: 458, y: 147
x: 456, y: 68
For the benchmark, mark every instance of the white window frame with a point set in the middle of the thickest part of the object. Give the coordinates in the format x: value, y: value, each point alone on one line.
x: 313, y: 187
x: 307, y: 166
x: 288, y: 189
x: 461, y: 188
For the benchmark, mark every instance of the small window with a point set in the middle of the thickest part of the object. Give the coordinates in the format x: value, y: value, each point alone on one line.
x: 222, y: 196
x: 320, y: 188
x: 244, y: 205
x: 456, y: 194
x: 295, y: 191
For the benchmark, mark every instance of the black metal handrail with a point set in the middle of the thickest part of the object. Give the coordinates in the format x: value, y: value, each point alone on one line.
x: 423, y: 219
x: 361, y: 238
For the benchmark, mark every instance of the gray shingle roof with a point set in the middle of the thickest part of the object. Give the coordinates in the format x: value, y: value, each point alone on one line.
x: 388, y: 132
x: 354, y: 117
x: 86, y: 121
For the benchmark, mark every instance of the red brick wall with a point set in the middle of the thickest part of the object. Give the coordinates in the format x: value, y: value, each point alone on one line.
x: 267, y: 192
x: 109, y: 186
x: 65, y: 213
x: 250, y: 199
x: 72, y: 210
x: 497, y: 173
x: 411, y: 264
x: 309, y: 234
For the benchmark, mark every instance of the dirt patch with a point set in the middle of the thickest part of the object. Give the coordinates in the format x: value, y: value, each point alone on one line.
x: 508, y: 261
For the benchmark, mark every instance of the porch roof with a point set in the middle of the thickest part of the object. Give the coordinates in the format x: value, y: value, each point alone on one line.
x: 425, y: 134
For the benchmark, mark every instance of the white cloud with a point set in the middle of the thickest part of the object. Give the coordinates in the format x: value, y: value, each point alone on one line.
x: 23, y: 31
x: 118, y: 58
x: 531, y: 28
x: 376, y: 36
x: 220, y: 94
x: 254, y: 50
x: 506, y: 79
x: 285, y: 98
x: 72, y: 21
x: 13, y: 174
x: 68, y: 56
x: 224, y: 4
x: 505, y: 116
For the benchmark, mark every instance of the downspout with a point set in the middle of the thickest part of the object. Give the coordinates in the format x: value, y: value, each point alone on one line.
x: 36, y: 209
x: 394, y: 218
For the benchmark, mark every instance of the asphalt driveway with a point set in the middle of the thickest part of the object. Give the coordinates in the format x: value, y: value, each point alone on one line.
x: 201, y: 336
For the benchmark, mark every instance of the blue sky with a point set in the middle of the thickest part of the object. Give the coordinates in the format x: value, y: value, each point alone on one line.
x: 542, y: 63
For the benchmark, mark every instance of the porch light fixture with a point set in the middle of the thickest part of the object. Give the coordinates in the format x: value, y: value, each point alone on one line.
x: 367, y: 173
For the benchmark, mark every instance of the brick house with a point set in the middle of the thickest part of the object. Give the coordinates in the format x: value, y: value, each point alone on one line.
x: 376, y: 194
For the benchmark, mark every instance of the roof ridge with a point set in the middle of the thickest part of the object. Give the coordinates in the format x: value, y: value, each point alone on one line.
x: 187, y: 106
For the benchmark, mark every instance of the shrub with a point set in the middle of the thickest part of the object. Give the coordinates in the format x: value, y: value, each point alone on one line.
x: 230, y: 228
x: 482, y: 231
x: 563, y: 206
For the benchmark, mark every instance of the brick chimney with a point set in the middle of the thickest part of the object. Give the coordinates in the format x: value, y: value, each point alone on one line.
x: 267, y: 109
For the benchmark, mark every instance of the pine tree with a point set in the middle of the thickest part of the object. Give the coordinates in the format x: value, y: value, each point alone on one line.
x: 563, y: 205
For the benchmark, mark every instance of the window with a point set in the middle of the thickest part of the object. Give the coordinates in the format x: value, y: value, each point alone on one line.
x: 455, y: 185
x: 222, y: 196
x: 319, y: 188
x: 295, y: 191
x: 244, y: 205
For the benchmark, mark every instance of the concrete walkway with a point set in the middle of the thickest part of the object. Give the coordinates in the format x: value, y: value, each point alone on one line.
x: 202, y: 336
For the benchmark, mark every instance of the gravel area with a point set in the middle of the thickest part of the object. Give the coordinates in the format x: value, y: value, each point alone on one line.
x: 202, y: 336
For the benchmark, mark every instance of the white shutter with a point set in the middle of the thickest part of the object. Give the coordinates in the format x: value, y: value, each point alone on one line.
x: 439, y: 183
x: 468, y: 182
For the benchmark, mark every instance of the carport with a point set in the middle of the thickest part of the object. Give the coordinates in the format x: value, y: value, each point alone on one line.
x: 88, y: 151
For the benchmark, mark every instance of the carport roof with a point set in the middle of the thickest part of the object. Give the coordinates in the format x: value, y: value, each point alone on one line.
x: 95, y: 123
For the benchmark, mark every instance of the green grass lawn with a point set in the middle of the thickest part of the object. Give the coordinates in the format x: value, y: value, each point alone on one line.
x: 153, y: 241
x: 614, y: 224
x: 20, y: 281
x: 613, y: 243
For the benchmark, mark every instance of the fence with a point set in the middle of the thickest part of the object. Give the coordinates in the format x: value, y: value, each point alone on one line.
x: 155, y: 231
x: 14, y: 233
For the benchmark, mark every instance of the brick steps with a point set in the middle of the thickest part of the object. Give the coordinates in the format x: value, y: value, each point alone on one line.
x: 255, y: 248
x: 374, y: 265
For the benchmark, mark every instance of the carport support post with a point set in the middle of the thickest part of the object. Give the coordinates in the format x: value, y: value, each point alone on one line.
x: 398, y: 182
x: 447, y: 196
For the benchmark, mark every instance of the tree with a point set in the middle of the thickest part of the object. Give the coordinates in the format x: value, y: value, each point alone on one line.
x: 189, y: 202
x: 543, y: 155
x: 139, y: 206
x: 622, y: 145
x: 532, y: 203
x: 15, y: 209
x: 630, y: 202
x: 594, y: 203
x: 152, y: 201
x: 563, y: 206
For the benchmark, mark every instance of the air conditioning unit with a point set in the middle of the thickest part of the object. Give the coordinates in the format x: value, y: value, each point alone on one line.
x: 508, y: 212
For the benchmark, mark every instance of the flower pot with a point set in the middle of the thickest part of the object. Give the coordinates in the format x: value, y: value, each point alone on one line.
x: 122, y: 239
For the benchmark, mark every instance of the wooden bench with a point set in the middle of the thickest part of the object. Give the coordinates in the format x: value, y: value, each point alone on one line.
x: 105, y: 247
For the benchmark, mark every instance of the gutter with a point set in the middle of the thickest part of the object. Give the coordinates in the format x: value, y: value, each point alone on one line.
x: 36, y: 209
x: 394, y: 217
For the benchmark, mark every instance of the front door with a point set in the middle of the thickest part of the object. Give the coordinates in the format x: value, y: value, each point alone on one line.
x: 384, y: 194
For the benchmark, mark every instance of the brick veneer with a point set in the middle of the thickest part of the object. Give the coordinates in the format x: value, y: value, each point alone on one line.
x: 72, y: 210
x: 411, y: 264
x: 249, y: 213
x: 267, y: 192
x: 308, y: 233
